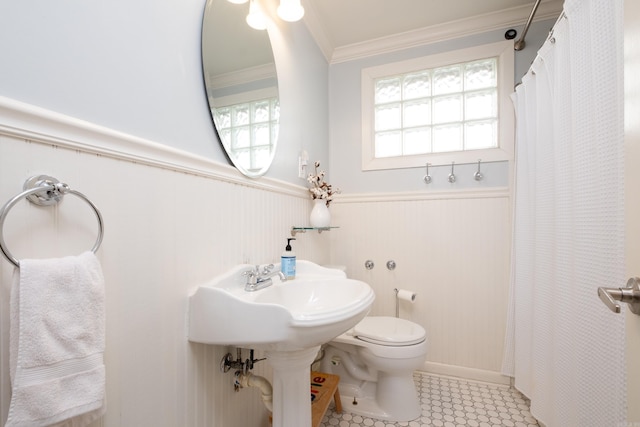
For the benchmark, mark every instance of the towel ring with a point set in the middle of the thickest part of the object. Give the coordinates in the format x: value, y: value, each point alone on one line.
x: 43, y: 190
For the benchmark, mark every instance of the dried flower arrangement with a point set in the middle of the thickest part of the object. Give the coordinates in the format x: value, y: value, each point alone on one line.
x: 320, y: 189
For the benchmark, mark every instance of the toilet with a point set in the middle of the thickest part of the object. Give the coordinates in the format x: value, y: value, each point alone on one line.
x: 375, y: 361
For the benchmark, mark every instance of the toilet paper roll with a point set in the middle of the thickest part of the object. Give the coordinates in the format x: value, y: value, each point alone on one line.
x: 405, y: 295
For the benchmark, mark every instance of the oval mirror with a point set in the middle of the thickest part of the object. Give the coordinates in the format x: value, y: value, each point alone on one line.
x: 242, y: 86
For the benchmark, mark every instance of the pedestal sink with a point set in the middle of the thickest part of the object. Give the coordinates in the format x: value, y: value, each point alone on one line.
x: 289, y: 320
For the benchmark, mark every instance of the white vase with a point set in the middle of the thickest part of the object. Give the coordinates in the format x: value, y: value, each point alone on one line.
x: 320, y: 214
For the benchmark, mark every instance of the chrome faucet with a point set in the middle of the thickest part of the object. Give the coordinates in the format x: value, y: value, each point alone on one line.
x: 259, y: 279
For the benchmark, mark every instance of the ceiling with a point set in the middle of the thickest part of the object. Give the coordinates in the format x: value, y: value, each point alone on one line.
x: 348, y: 29
x: 340, y: 25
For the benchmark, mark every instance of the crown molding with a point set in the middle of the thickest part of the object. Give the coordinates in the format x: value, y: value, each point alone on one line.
x: 515, y: 16
x: 247, y: 75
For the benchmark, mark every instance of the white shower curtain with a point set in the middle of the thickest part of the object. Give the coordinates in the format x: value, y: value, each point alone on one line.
x: 563, y: 346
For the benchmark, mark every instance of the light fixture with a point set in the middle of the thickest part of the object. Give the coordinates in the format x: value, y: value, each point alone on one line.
x: 256, y: 18
x: 290, y: 10
x: 237, y: 1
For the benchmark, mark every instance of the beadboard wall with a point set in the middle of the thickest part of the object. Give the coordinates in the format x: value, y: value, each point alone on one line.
x: 172, y: 221
x: 452, y: 249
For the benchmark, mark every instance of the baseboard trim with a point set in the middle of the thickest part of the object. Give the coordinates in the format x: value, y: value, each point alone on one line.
x: 466, y: 373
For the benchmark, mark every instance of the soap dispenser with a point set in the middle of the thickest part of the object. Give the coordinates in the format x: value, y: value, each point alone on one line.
x: 288, y: 261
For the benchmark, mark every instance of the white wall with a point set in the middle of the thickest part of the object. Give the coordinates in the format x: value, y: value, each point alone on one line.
x: 451, y: 241
x: 452, y: 249
x: 134, y: 68
x: 169, y: 227
x: 175, y: 214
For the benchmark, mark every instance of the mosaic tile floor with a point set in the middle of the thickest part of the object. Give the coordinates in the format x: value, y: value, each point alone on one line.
x: 452, y: 402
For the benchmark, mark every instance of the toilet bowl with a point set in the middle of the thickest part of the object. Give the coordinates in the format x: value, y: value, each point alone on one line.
x: 375, y: 361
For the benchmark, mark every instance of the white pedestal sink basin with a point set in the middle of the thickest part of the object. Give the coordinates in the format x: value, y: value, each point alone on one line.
x: 289, y: 319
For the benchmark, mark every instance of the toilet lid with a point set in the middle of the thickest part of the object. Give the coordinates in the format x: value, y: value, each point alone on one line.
x: 389, y: 331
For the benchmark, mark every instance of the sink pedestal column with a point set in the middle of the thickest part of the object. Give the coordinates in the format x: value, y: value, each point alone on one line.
x: 291, y: 386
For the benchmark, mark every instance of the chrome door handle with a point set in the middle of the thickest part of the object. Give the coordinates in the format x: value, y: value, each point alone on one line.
x: 630, y: 295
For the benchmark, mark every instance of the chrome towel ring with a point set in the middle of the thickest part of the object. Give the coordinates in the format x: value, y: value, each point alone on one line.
x: 44, y: 190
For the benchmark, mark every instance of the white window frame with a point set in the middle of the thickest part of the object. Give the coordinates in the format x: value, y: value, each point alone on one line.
x: 506, y: 122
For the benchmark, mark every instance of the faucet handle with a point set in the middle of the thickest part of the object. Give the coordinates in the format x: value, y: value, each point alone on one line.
x: 252, y: 271
x: 252, y: 275
x: 267, y: 269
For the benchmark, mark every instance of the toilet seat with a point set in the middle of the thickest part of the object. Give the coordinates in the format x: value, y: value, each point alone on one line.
x: 389, y: 331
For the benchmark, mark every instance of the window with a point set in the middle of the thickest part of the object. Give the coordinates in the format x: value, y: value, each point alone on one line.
x: 437, y: 109
x: 249, y: 130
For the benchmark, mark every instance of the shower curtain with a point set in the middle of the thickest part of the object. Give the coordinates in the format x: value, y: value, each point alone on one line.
x: 564, y: 347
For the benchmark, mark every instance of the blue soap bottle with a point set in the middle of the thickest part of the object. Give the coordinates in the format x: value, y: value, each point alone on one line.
x: 288, y: 261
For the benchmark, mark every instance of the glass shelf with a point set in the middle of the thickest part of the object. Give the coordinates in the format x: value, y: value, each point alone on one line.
x: 295, y: 230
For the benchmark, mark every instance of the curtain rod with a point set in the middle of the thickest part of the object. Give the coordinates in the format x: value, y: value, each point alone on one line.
x: 520, y: 44
x: 549, y: 37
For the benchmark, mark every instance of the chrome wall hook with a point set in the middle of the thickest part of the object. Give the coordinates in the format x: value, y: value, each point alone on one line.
x: 427, y: 178
x: 478, y: 176
x: 452, y: 176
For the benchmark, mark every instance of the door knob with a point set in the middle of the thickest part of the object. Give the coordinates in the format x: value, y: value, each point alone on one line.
x: 630, y: 295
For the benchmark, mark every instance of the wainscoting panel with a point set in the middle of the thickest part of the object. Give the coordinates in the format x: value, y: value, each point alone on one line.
x: 452, y: 249
x: 173, y: 221
x: 168, y: 229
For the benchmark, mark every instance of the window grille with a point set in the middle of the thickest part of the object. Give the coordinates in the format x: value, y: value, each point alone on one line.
x: 249, y: 130
x: 441, y: 108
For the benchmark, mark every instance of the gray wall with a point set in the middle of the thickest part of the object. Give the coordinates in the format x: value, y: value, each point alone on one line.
x: 346, y: 124
x: 134, y: 66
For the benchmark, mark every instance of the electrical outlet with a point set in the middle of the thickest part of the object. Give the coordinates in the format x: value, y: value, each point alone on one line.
x: 302, y: 168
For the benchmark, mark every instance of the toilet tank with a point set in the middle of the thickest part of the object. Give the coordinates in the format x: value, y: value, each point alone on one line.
x: 342, y: 268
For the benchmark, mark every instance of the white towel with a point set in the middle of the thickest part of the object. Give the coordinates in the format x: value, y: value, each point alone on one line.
x: 57, y: 342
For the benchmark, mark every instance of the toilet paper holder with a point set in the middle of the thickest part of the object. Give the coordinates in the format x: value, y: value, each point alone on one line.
x: 404, y: 295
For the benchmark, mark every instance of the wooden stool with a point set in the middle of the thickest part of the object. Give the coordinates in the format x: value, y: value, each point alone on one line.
x: 323, y: 387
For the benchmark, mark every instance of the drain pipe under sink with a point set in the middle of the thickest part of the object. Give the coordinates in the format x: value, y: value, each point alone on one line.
x: 261, y: 383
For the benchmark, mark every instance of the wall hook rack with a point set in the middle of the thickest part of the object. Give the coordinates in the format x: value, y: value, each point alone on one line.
x: 452, y: 178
